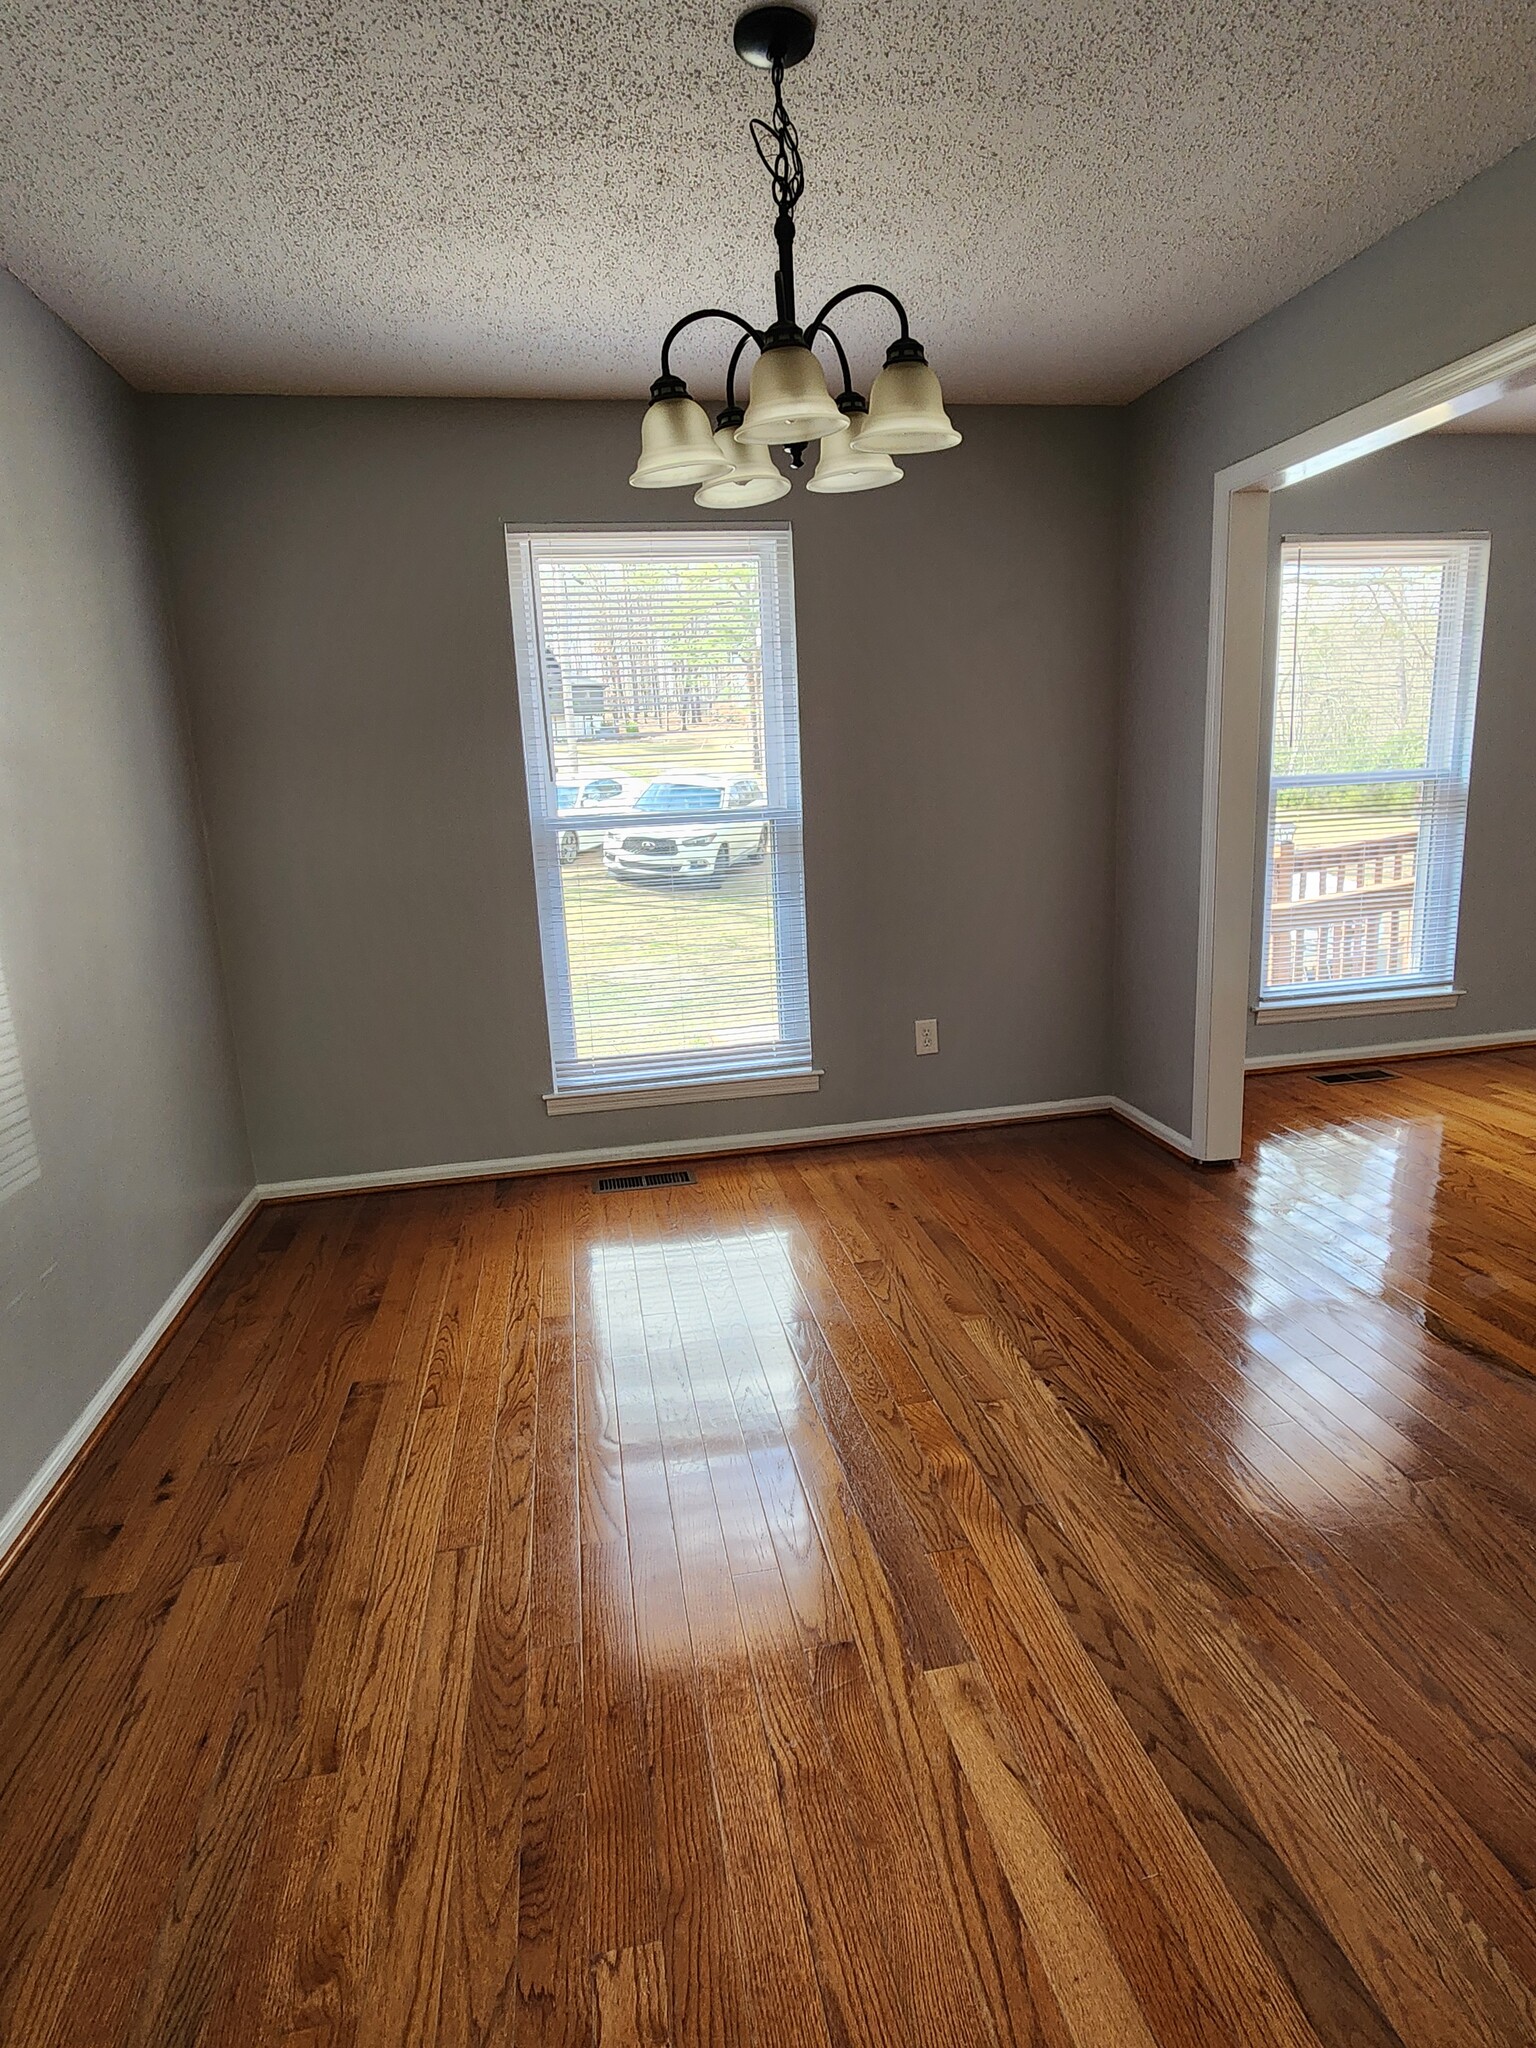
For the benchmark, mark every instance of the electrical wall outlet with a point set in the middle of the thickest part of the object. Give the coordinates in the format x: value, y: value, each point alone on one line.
x: 927, y: 1034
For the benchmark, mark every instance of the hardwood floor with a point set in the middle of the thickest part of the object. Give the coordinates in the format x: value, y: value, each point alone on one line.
x: 1007, y: 1588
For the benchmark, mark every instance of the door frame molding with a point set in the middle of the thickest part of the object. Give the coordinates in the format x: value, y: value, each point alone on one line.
x: 1234, y: 700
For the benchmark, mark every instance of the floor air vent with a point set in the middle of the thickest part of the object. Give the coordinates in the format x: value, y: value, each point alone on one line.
x: 621, y: 1183
x: 1356, y: 1074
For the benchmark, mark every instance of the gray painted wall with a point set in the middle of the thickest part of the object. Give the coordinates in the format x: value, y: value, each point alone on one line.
x: 1453, y: 483
x: 1459, y: 277
x: 106, y: 935
x: 340, y: 590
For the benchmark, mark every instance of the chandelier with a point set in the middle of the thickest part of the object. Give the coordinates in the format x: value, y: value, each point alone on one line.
x: 788, y: 403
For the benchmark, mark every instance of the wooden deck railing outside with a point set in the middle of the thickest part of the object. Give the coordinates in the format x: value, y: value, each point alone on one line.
x: 1341, y: 913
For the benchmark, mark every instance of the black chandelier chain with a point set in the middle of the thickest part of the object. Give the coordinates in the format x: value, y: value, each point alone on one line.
x: 778, y: 148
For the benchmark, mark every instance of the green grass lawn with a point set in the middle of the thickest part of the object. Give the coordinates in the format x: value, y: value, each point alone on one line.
x: 705, y: 749
x: 666, y: 967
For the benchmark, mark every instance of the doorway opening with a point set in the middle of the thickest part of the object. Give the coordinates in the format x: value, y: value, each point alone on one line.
x: 1236, y: 686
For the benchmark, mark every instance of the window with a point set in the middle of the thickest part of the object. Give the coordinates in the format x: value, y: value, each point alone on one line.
x: 1375, y: 691
x: 18, y: 1149
x: 661, y: 745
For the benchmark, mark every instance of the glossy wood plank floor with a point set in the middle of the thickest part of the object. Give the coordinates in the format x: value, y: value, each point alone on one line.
x: 1007, y: 1588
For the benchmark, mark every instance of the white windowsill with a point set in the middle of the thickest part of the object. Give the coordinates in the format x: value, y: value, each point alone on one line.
x: 571, y: 1103
x: 1381, y: 1005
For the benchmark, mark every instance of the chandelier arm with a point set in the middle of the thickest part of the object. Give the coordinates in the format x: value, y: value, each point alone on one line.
x: 730, y: 375
x: 821, y: 327
x: 855, y: 291
x: 749, y: 332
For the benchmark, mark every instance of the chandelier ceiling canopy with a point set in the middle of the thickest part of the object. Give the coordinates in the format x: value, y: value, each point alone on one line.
x: 788, y: 403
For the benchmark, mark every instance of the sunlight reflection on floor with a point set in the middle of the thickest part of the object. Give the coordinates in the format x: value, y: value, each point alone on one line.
x: 696, y: 1358
x: 1335, y: 1218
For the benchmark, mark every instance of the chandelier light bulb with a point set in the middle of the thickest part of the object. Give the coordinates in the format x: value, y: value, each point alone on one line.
x: 754, y: 479
x: 676, y: 446
x: 906, y: 409
x: 844, y: 467
x: 789, y: 399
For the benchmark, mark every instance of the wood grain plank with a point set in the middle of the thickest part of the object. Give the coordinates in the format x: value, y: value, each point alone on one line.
x: 479, y: 2000
x: 860, y: 1992
x: 1095, y: 1999
x: 631, y: 1998
x: 554, y: 2007
x: 399, y: 2005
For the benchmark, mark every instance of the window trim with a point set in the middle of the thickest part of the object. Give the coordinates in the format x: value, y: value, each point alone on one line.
x: 1453, y: 714
x: 1359, y: 1006
x: 581, y: 1102
x: 718, y: 1075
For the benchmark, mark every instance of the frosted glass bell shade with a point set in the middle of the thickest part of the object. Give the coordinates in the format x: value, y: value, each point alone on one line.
x: 906, y: 414
x: 843, y: 467
x: 790, y: 400
x: 677, y: 447
x: 753, y: 479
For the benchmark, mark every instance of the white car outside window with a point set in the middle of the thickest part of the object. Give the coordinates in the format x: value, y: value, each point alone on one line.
x: 700, y: 849
x: 597, y: 793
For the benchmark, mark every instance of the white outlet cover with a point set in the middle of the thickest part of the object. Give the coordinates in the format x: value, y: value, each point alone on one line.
x: 927, y: 1034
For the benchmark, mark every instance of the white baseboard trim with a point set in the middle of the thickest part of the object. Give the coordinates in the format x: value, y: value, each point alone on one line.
x: 1348, y: 1056
x: 686, y: 1148
x: 18, y: 1517
x: 1165, y: 1133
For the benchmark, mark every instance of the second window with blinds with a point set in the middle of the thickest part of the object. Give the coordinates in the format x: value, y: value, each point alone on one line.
x: 1375, y: 691
x: 662, y: 758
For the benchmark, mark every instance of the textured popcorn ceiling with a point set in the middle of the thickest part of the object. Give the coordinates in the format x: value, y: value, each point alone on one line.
x: 1074, y: 196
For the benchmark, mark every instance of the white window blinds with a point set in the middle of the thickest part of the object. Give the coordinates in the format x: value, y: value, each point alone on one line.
x: 1375, y: 690
x: 18, y: 1149
x: 661, y: 748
